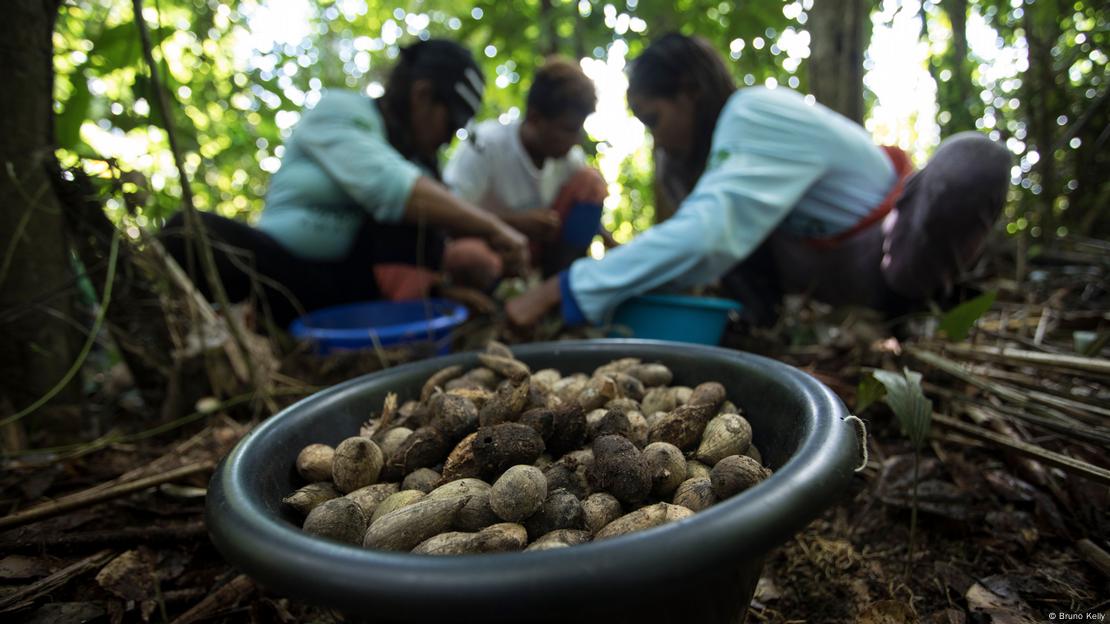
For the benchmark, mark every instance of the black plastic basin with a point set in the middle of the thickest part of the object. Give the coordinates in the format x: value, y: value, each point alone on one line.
x: 701, y: 569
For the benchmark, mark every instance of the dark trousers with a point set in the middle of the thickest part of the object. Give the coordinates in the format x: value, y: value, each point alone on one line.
x: 934, y: 233
x: 253, y: 266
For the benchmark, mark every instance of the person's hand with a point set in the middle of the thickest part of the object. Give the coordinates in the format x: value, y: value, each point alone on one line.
x: 527, y: 309
x: 511, y: 245
x: 471, y: 263
x: 540, y: 224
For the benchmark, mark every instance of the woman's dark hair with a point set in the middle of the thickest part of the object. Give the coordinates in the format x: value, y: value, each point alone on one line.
x: 457, y: 82
x: 673, y: 64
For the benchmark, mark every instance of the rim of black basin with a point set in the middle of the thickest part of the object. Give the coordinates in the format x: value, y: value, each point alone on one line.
x: 251, y: 532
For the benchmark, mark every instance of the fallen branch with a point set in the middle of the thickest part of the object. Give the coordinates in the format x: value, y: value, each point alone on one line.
x: 127, y: 536
x: 209, y: 444
x: 1076, y: 430
x: 1068, y: 464
x: 98, y: 495
x: 1054, y: 422
x: 1089, y: 413
x: 26, y: 596
x: 1031, y: 470
x: 1098, y: 365
x: 1096, y: 556
x: 226, y: 596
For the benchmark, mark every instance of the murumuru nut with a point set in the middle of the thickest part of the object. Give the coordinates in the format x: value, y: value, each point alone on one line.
x: 340, y: 519
x: 736, y: 473
x: 519, y: 493
x: 314, y: 462
x: 357, y: 463
x: 727, y: 434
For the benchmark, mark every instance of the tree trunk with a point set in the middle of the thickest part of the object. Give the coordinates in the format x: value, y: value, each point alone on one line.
x: 839, y: 31
x: 1042, y: 104
x: 36, y: 280
x: 549, y: 29
x: 957, y: 93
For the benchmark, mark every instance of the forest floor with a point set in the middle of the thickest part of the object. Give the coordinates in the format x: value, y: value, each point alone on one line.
x: 1013, y: 494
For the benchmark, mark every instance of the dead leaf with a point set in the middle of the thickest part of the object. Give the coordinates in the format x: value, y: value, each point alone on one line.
x: 861, y: 594
x: 1048, y: 514
x: 131, y: 575
x: 935, y: 497
x: 21, y: 567
x: 999, y: 604
x: 147, y: 609
x: 116, y: 611
x: 887, y: 612
x: 172, y: 564
x: 66, y: 613
x: 35, y: 484
x: 899, y: 472
x: 1017, y: 525
x: 267, y: 610
x: 766, y: 590
x: 1009, y: 487
x: 953, y: 577
x: 948, y: 616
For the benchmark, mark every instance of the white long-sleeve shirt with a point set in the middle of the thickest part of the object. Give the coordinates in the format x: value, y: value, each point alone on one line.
x: 775, y: 161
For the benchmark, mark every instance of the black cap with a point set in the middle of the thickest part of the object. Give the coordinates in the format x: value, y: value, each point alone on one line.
x: 451, y: 68
x: 468, y: 92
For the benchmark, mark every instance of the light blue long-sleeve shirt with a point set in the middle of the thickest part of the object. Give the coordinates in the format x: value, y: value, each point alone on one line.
x: 337, y: 169
x: 775, y: 161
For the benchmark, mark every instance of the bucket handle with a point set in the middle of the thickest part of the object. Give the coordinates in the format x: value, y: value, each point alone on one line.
x: 861, y: 439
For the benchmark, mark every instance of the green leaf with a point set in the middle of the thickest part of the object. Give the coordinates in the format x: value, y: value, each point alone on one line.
x: 869, y: 391
x: 957, y: 322
x: 119, y: 46
x: 67, y: 124
x: 911, y: 407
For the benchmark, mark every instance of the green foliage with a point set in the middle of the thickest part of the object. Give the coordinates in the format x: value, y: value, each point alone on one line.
x: 1051, y: 110
x: 911, y: 407
x: 868, y: 392
x: 957, y: 322
x: 235, y: 102
x: 914, y: 412
x: 236, y: 97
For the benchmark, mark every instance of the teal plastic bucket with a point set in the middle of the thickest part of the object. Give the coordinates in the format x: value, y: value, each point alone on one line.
x: 358, y: 326
x: 681, y: 318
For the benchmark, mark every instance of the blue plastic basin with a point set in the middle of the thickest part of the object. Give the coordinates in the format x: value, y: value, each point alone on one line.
x: 357, y: 325
x: 681, y: 318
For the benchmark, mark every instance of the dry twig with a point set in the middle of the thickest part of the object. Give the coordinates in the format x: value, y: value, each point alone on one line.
x: 98, y: 495
x: 127, y: 536
x: 227, y: 595
x: 26, y: 596
x: 1068, y: 464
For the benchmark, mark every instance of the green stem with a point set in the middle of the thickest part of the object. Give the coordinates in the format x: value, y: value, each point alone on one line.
x: 913, y: 510
x: 104, y: 301
x: 193, y: 223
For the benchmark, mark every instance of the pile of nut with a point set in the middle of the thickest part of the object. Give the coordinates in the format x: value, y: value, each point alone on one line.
x: 570, y: 459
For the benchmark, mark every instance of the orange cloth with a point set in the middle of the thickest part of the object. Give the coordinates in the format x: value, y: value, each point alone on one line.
x: 398, y: 282
x: 903, y: 167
